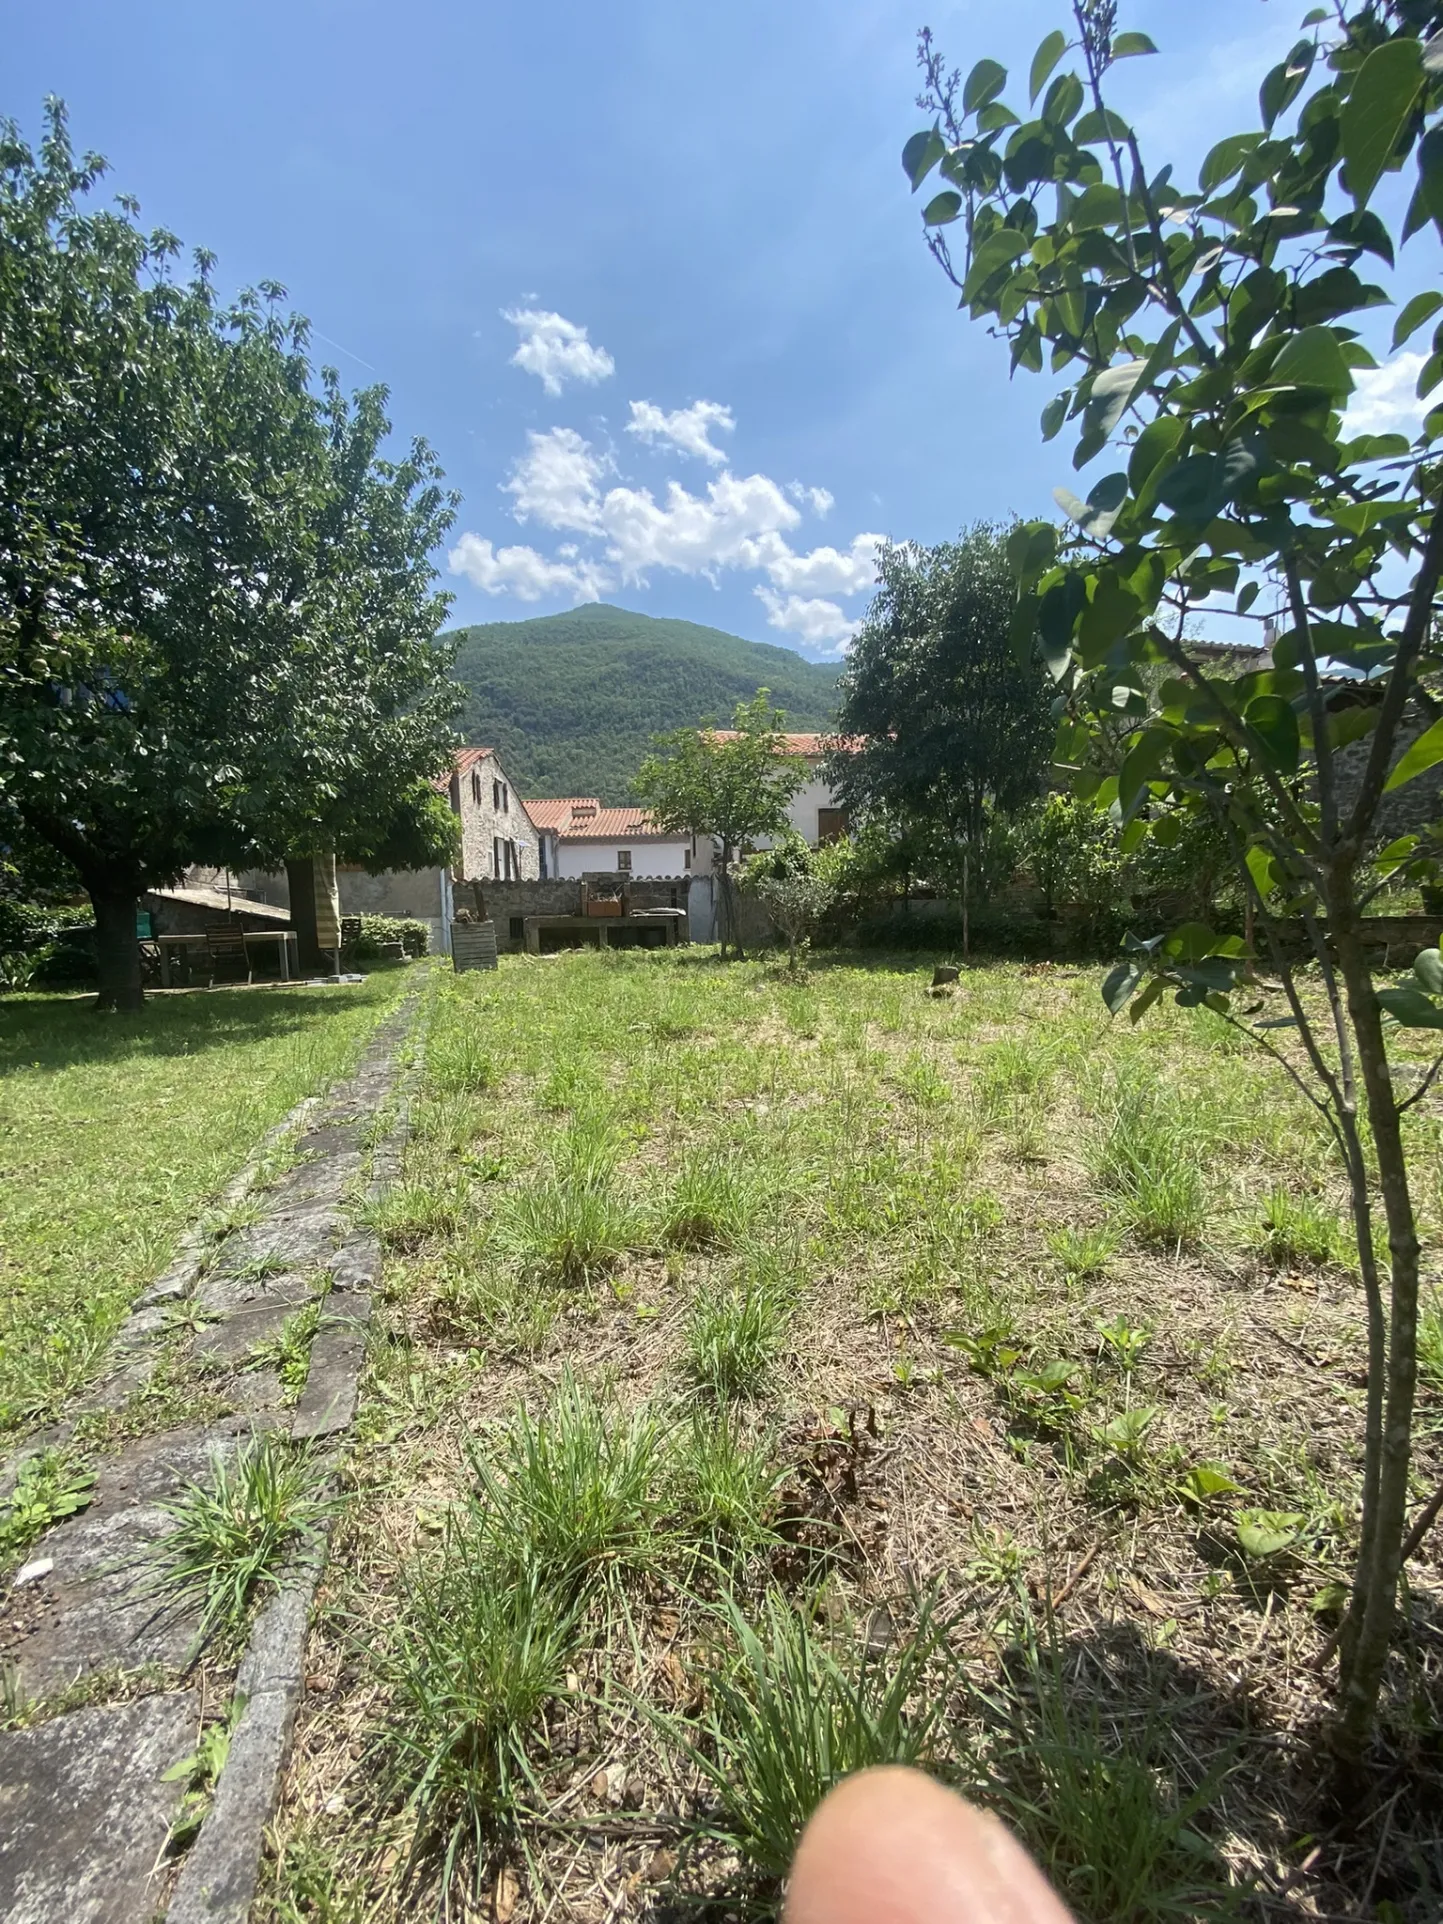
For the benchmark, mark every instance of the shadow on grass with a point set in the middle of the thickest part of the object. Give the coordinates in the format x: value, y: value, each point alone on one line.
x: 62, y: 1031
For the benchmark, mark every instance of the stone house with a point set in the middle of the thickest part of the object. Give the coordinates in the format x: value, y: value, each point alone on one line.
x: 499, y: 842
x: 580, y: 837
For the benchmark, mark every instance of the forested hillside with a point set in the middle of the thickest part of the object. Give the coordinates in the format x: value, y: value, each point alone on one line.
x: 571, y: 701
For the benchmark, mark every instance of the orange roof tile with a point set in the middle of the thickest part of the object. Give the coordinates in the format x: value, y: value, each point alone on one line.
x: 462, y: 762
x: 557, y: 813
x: 791, y: 744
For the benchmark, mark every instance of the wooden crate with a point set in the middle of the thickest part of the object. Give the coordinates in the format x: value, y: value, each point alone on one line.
x: 473, y: 946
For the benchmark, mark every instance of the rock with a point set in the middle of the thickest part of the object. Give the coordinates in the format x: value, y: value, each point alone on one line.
x: 91, y: 1775
x: 32, y: 1572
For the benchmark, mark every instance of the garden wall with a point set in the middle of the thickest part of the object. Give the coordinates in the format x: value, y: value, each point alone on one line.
x: 509, y: 903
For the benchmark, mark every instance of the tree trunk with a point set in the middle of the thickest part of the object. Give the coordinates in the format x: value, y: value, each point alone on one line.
x: 966, y: 903
x: 301, y: 875
x: 1392, y: 1374
x: 117, y: 949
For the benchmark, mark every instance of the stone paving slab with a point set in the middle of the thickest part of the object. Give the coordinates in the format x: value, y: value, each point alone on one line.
x: 94, y: 1609
x: 85, y: 1810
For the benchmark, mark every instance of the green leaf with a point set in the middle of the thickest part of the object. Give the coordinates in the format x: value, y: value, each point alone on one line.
x: 1141, y: 765
x: 1096, y: 126
x: 1414, y: 314
x: 1127, y: 45
x: 1285, y: 82
x: 1312, y: 358
x: 1154, y: 444
x: 1044, y: 60
x: 921, y: 155
x: 1064, y: 100
x: 1273, y: 720
x: 1377, y: 111
x: 1053, y: 416
x: 1224, y: 160
x: 1117, y: 990
x: 1424, y: 754
x: 1410, y: 1008
x: 1428, y: 967
x: 942, y: 208
x: 1151, y: 991
x: 1206, y: 1480
x: 997, y: 251
x: 1263, y: 1533
x: 984, y: 83
x: 1193, y: 488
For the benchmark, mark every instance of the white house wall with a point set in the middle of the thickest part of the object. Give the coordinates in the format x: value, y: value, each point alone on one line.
x: 647, y: 858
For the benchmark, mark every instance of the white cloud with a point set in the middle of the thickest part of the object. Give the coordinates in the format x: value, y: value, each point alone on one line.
x: 556, y: 350
x: 819, y: 625
x: 819, y: 500
x: 1384, y: 399
x: 694, y: 534
x: 524, y: 573
x: 555, y: 481
x: 827, y: 571
x: 686, y: 429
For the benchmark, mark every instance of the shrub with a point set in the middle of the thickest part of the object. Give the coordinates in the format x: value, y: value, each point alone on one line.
x: 376, y: 929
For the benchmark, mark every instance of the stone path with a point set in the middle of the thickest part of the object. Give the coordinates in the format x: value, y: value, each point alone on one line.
x: 89, y: 1788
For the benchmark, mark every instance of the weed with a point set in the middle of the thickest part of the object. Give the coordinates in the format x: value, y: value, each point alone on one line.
x: 257, y: 1269
x: 483, y: 1303
x: 289, y: 1352
x: 457, y: 1063
x: 572, y: 1493
x: 234, y: 1534
x: 477, y: 1655
x: 1294, y: 1232
x: 789, y: 1714
x: 710, y: 1205
x: 50, y: 1485
x: 199, y: 1773
x: 1123, y: 1342
x: 733, y: 1335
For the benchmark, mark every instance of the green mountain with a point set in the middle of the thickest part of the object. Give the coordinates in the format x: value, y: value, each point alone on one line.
x: 570, y: 702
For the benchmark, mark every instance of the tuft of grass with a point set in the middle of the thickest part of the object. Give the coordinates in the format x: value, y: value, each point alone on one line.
x: 1084, y: 1253
x: 1106, y: 1814
x: 574, y: 1493
x: 1148, y: 1154
x: 475, y: 1659
x: 412, y: 1213
x: 1430, y: 1341
x: 725, y: 1488
x: 573, y: 1224
x: 710, y: 1205
x: 733, y: 1335
x: 1295, y: 1232
x: 791, y: 1712
x: 457, y: 1062
x: 234, y: 1534
x: 289, y: 1352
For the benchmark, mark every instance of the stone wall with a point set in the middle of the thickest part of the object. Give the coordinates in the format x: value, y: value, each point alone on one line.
x: 482, y: 821
x: 509, y: 903
x: 1408, y: 808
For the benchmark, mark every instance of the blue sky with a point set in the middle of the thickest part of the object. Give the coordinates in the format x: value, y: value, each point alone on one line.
x: 737, y: 364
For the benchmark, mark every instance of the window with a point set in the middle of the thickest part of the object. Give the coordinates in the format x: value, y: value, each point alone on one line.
x: 623, y: 861
x: 517, y: 925
x: 505, y: 799
x: 831, y: 824
x: 686, y: 858
x: 475, y: 788
x: 496, y: 856
x: 496, y: 796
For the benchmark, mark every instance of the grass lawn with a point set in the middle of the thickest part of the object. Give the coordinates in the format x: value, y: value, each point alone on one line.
x: 114, y: 1134
x: 777, y: 1376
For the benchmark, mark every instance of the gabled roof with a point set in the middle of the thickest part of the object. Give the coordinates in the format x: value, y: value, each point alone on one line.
x: 557, y: 813
x: 581, y: 818
x: 462, y: 762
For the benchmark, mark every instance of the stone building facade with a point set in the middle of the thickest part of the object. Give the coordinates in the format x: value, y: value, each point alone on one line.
x: 509, y: 903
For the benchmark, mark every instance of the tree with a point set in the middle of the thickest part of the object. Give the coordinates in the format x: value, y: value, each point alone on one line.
x: 796, y: 885
x: 944, y: 723
x: 733, y: 785
x: 155, y: 450
x: 1208, y: 342
x: 361, y: 707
